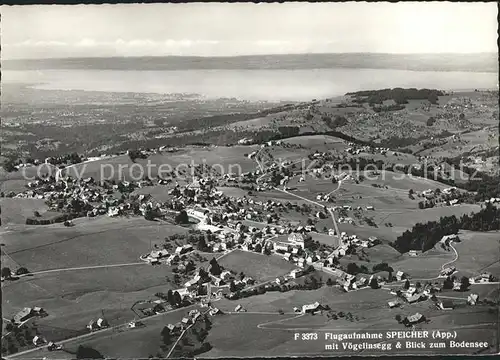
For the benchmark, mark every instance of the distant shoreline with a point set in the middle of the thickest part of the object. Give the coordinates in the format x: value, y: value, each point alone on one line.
x: 34, y: 87
x: 480, y: 62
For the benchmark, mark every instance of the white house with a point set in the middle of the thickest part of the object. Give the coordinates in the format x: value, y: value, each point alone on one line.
x: 472, y: 299
x: 225, y: 275
x: 310, y: 308
x: 281, y: 246
x: 400, y: 276
x: 449, y: 238
x: 296, y: 273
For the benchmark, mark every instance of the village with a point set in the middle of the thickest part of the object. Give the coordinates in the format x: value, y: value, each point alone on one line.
x: 249, y: 224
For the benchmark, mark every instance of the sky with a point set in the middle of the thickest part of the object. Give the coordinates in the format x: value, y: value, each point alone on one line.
x: 222, y: 29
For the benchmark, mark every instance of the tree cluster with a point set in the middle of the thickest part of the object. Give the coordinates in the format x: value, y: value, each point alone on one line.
x: 425, y: 236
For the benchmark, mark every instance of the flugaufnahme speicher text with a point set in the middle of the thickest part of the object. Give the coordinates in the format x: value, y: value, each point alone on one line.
x: 413, y: 345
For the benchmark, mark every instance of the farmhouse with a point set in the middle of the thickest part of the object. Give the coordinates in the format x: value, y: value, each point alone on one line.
x: 37, y: 340
x: 449, y: 238
x: 225, y: 275
x: 281, y: 246
x: 193, y: 282
x: 472, y: 299
x: 198, y: 213
x: 413, y: 319
x: 361, y: 282
x: 158, y: 254
x: 400, y: 275
x: 92, y: 325
x: 102, y: 323
x: 415, y: 298
x: 393, y: 304
x: 239, y: 308
x: 183, y: 249
x: 185, y: 321
x: 428, y: 193
x: 214, y: 311
x: 174, y: 329
x: 297, y: 238
x: 280, y: 280
x: 448, y: 271
x: 484, y: 277
x: 311, y: 308
x: 372, y: 239
x: 172, y: 259
x: 296, y: 273
x: 23, y: 315
x: 445, y: 305
x: 37, y: 310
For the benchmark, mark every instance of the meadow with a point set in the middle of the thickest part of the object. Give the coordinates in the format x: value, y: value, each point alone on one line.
x: 140, y: 342
x: 478, y: 252
x: 258, y: 266
x: 91, y: 242
x: 72, y: 297
x: 16, y: 211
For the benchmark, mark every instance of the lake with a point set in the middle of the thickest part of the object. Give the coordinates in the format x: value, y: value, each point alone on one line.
x: 252, y: 85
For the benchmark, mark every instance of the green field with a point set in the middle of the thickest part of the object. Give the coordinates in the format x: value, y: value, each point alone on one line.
x: 16, y: 211
x: 258, y: 266
x: 72, y: 297
x: 223, y: 159
x: 478, y: 252
x: 124, y: 343
x: 94, y: 241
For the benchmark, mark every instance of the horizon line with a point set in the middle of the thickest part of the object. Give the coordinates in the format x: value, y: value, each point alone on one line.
x: 250, y: 55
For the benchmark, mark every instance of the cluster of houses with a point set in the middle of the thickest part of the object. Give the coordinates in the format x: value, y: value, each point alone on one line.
x: 193, y: 315
x: 356, y: 149
x: 348, y: 282
x: 451, y: 195
x: 492, y: 200
x: 214, y: 286
x: 347, y: 241
x: 485, y: 277
x: 158, y: 256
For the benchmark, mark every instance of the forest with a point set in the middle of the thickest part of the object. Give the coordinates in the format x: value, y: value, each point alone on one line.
x: 425, y: 236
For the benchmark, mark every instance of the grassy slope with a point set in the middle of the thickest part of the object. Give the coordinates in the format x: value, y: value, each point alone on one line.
x: 258, y: 266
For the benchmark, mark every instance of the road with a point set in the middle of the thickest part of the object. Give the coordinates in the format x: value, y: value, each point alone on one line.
x: 86, y: 268
x: 339, y: 184
x: 452, y: 261
x: 182, y: 334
